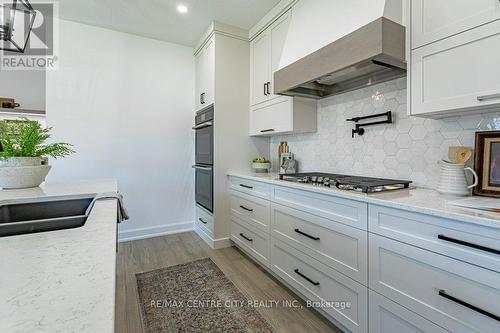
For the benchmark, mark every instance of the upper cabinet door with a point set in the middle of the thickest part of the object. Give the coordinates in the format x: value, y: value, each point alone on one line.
x: 205, y: 75
x: 433, y: 20
x: 457, y: 73
x: 260, y: 49
x: 199, y: 80
x: 209, y: 76
x: 278, y: 31
x: 275, y: 117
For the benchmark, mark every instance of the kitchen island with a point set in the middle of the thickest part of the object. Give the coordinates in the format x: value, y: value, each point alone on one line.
x: 61, y: 281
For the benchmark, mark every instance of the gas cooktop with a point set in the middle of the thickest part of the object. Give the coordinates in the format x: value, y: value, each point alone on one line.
x: 347, y: 182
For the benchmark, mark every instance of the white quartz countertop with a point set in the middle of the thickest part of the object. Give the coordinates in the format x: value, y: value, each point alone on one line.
x: 419, y: 200
x: 61, y: 281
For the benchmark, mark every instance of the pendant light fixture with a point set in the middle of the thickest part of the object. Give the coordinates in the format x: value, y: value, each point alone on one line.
x: 16, y: 22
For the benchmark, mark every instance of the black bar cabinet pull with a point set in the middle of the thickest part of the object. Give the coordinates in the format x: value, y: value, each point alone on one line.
x: 245, y: 208
x: 304, y: 234
x: 265, y: 90
x: 464, y: 243
x: 267, y: 130
x: 268, y: 92
x: 305, y: 277
x: 246, y: 186
x: 201, y: 220
x: 467, y: 305
x: 248, y: 239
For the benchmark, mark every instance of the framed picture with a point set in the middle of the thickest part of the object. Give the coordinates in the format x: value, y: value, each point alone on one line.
x: 487, y: 163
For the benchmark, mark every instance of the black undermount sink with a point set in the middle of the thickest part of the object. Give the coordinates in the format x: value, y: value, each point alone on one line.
x: 39, y: 216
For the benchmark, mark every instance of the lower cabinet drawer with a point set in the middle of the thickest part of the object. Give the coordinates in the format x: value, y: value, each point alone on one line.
x: 341, y: 297
x: 475, y: 244
x: 335, y: 244
x: 258, y: 189
x: 256, y: 243
x: 389, y: 317
x: 455, y: 295
x: 205, y: 221
x: 251, y: 209
x: 350, y: 212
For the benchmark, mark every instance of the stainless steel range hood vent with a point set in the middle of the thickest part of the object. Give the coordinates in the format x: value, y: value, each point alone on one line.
x: 373, y: 54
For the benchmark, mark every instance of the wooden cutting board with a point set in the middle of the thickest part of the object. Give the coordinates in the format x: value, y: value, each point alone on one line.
x: 459, y: 154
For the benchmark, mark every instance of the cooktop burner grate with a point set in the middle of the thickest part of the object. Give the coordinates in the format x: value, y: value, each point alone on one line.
x: 347, y: 182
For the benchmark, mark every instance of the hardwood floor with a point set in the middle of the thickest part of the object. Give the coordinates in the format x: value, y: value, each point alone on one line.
x: 145, y: 255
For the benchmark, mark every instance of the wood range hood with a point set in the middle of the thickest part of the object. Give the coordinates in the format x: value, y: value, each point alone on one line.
x: 372, y: 54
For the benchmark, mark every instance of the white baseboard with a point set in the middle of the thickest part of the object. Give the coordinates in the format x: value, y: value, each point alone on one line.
x: 154, y: 231
x: 221, y: 243
x: 215, y: 244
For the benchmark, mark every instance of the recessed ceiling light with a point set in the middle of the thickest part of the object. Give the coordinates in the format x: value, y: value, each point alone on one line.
x: 182, y: 9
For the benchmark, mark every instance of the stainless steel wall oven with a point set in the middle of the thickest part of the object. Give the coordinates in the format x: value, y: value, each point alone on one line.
x: 204, y: 157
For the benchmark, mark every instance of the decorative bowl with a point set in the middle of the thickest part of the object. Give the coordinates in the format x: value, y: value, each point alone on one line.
x: 261, y: 167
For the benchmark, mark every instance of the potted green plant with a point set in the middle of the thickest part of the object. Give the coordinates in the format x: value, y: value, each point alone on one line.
x: 261, y: 164
x: 24, y: 153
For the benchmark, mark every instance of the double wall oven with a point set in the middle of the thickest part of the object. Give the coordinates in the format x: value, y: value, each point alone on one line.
x: 204, y: 157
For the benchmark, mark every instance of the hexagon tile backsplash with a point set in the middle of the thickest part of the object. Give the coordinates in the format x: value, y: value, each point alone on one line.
x: 410, y: 148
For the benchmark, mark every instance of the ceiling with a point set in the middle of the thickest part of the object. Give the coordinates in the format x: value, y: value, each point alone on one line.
x: 159, y: 19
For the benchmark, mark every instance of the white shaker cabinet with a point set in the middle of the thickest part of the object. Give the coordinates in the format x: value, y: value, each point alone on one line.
x: 433, y: 20
x: 387, y: 316
x: 457, y: 74
x: 457, y: 296
x: 205, y: 74
x: 426, y: 273
x: 278, y: 32
x: 222, y: 78
x: 272, y: 114
x: 317, y: 244
x: 347, y: 299
x: 283, y: 115
x: 260, y: 68
x: 266, y: 51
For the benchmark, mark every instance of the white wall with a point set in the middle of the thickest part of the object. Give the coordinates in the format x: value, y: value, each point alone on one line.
x: 126, y: 103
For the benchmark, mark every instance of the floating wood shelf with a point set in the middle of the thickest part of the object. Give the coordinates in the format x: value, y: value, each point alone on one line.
x: 23, y: 112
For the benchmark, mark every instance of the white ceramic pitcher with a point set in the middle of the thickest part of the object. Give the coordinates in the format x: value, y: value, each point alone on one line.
x: 453, y: 180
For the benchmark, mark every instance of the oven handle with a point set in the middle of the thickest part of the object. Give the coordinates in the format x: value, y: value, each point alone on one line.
x: 200, y: 126
x: 197, y: 167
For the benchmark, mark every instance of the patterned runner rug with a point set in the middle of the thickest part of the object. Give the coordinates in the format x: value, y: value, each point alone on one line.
x: 195, y: 297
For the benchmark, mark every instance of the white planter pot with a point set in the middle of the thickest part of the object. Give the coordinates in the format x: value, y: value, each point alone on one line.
x: 23, y: 161
x: 261, y: 167
x: 23, y: 172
